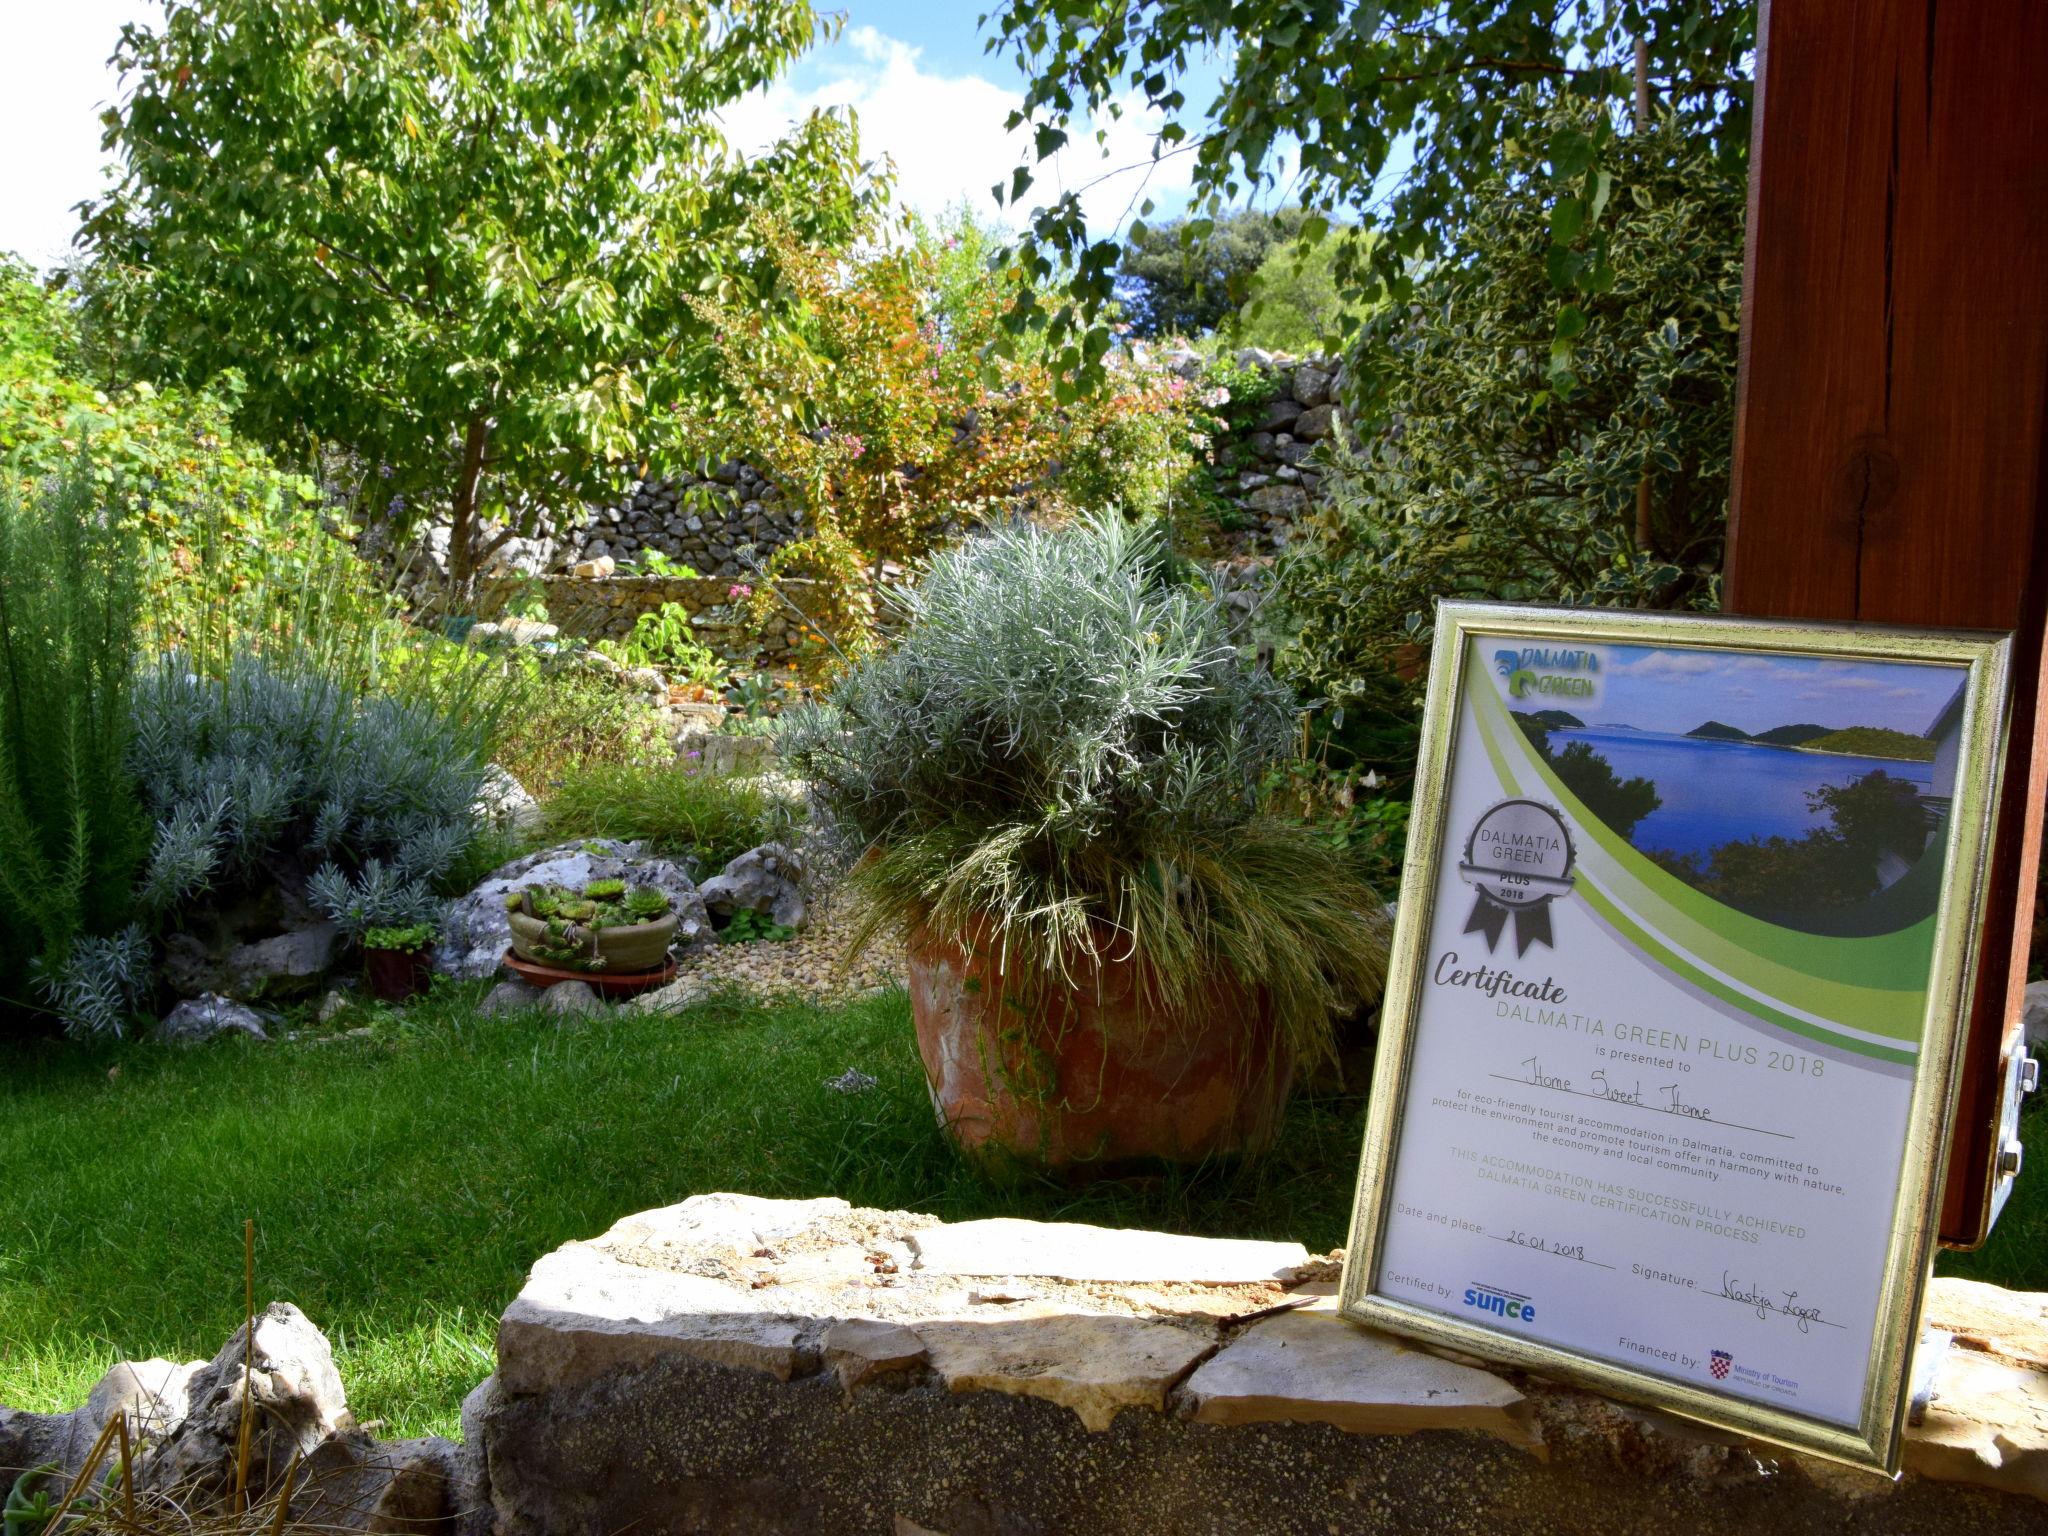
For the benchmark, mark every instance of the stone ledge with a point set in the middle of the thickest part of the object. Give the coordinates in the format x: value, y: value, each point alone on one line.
x: 802, y: 1320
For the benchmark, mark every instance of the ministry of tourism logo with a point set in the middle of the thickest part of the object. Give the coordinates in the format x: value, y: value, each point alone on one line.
x: 1519, y: 859
x: 1546, y: 671
x: 1511, y: 1305
x: 1720, y: 1363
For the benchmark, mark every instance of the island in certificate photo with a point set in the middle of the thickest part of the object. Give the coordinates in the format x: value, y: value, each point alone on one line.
x: 1810, y: 792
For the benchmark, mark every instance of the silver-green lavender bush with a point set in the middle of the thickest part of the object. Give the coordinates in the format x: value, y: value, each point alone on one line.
x: 272, y: 764
x: 1064, y: 750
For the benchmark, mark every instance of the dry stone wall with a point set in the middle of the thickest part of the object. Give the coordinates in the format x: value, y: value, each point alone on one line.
x: 769, y: 1366
x: 703, y: 521
x: 607, y: 607
x: 724, y: 525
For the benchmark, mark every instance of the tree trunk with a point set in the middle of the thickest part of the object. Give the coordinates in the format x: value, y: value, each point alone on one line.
x: 1642, y: 85
x: 462, y: 521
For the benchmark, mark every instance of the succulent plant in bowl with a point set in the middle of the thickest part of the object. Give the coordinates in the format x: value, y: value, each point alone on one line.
x: 605, y: 925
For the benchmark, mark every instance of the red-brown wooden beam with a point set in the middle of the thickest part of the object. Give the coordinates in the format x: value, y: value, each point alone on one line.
x: 1891, y: 444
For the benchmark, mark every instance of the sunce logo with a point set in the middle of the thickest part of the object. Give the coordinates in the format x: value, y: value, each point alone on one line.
x: 1507, y: 1304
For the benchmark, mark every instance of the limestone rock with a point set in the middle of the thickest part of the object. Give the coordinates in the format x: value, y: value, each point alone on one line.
x: 1278, y: 500
x: 1311, y: 384
x: 283, y: 966
x: 1065, y: 1250
x: 2034, y: 1017
x: 475, y: 933
x: 859, y: 1349
x: 1315, y: 423
x: 333, y: 1006
x: 590, y: 570
x: 683, y: 992
x: 508, y: 997
x: 572, y: 1000
x: 1987, y: 1423
x: 502, y: 801
x: 351, y: 1482
x: 1311, y: 1366
x: 297, y: 1402
x: 1279, y: 415
x: 795, y: 1366
x: 154, y: 1394
x: 200, y: 1019
x: 767, y: 880
x: 1097, y: 1366
x: 583, y: 1313
x: 2009, y: 1325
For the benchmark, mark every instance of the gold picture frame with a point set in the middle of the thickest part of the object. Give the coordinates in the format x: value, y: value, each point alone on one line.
x: 1874, y: 1440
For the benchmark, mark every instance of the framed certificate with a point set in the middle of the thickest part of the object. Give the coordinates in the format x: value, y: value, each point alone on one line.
x: 1667, y: 1059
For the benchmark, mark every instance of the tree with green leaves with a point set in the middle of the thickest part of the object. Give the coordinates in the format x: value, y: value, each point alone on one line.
x: 1393, y: 115
x: 458, y: 237
x: 1294, y: 302
x: 1172, y: 286
x: 1494, y: 459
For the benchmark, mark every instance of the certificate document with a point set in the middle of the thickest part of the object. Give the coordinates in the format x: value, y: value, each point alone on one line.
x: 1685, y: 936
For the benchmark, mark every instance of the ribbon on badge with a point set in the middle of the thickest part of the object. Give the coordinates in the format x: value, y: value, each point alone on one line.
x: 1519, y: 860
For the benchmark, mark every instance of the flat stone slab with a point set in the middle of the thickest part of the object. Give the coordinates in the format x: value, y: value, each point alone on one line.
x: 1097, y: 1366
x: 582, y: 1313
x: 1310, y: 1366
x: 1068, y: 1250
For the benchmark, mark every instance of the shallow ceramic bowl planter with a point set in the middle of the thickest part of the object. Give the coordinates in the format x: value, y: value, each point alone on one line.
x: 1087, y: 1070
x: 630, y: 947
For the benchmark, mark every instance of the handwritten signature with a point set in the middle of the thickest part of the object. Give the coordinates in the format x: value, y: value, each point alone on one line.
x: 1754, y: 1295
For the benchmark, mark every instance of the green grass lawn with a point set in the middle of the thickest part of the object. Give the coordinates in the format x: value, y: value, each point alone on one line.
x: 401, y: 1186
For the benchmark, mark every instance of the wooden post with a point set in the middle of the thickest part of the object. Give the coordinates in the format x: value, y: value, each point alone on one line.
x: 1891, y: 446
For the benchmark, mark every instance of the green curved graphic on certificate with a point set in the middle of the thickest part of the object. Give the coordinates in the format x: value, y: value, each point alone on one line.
x: 1866, y: 995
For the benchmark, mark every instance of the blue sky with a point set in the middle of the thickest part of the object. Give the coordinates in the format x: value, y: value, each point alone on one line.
x: 913, y: 71
x: 1675, y: 690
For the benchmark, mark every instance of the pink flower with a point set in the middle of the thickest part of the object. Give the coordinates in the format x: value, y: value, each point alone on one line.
x: 737, y: 590
x: 855, y: 444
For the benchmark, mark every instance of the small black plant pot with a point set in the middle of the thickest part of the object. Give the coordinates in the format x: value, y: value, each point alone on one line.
x: 393, y: 975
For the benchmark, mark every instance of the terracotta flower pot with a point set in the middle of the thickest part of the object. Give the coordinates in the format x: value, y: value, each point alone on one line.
x: 393, y: 975
x: 1087, y: 1070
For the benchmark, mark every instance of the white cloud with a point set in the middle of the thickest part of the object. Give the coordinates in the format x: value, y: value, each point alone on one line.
x: 945, y: 133
x: 54, y: 82
x: 1670, y: 664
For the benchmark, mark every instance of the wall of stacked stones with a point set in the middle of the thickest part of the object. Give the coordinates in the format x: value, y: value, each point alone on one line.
x: 607, y: 607
x: 723, y: 525
x: 1268, y: 472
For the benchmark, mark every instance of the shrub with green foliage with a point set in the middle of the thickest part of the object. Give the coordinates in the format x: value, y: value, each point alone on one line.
x: 1498, y: 461
x: 1294, y: 302
x: 664, y: 638
x: 560, y: 721
x: 71, y: 830
x: 675, y: 810
x: 225, y: 542
x: 1065, y: 746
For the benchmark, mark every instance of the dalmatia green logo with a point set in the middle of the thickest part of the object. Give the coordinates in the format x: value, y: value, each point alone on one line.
x: 1518, y: 858
x: 1560, y: 672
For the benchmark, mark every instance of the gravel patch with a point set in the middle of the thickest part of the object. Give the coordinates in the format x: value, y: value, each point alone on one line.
x: 811, y: 967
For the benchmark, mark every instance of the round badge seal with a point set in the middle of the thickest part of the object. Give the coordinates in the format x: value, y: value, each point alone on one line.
x: 1519, y: 859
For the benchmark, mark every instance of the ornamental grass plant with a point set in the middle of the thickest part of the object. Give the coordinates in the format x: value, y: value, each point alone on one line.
x: 1062, y: 757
